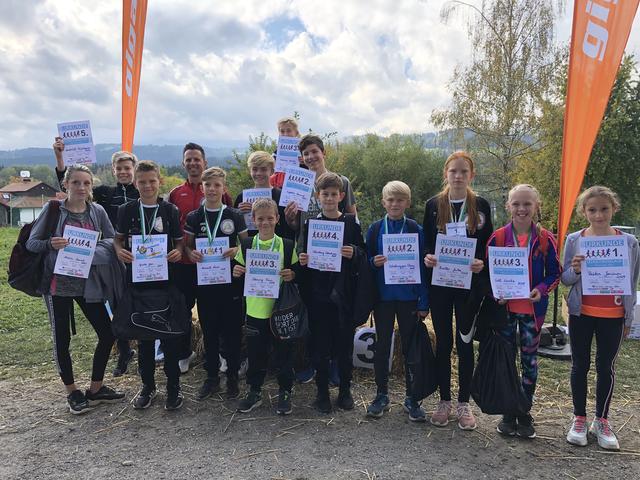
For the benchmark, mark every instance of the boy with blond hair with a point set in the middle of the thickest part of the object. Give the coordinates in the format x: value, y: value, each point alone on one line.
x: 219, y: 306
x: 287, y: 127
x: 261, y: 165
x: 408, y: 304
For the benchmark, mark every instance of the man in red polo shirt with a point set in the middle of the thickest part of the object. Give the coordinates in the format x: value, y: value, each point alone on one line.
x: 188, y: 197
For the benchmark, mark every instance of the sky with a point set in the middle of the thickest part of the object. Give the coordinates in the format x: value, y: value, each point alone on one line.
x: 215, y: 72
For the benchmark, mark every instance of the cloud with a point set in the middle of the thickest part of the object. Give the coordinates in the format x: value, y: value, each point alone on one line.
x: 216, y: 71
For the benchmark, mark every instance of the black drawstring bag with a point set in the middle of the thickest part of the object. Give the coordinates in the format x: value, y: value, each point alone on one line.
x: 421, y: 364
x: 289, y: 319
x: 150, y: 314
x: 496, y: 386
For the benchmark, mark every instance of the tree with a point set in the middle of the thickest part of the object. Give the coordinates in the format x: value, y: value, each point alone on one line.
x: 496, y: 102
x: 613, y: 160
x: 371, y: 161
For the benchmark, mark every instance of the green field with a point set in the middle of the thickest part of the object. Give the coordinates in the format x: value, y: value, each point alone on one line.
x: 26, y: 351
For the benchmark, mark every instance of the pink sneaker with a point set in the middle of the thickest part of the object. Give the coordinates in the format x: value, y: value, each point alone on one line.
x: 466, y: 420
x: 440, y: 417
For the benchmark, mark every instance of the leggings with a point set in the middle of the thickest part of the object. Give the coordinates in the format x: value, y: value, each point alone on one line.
x: 443, y: 300
x: 59, y: 310
x: 609, y: 335
x: 529, y: 341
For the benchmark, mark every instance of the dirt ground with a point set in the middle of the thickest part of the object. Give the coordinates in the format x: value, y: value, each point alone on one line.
x: 206, y: 440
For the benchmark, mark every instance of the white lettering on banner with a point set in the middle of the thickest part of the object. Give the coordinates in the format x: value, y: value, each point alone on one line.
x: 131, y: 46
x: 594, y: 44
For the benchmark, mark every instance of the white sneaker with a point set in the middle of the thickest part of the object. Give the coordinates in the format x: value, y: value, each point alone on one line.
x: 185, y: 362
x: 578, y: 432
x: 601, y: 429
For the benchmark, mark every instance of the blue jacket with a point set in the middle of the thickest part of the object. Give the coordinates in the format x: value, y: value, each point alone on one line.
x: 405, y: 293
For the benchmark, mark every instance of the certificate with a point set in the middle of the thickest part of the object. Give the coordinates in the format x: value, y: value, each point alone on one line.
x: 262, y: 278
x: 287, y: 153
x: 149, y: 258
x: 78, y: 142
x: 605, y: 270
x: 250, y: 195
x: 74, y: 260
x: 509, y: 272
x: 297, y: 187
x: 324, y: 242
x: 403, y: 258
x: 454, y: 256
x: 213, y: 268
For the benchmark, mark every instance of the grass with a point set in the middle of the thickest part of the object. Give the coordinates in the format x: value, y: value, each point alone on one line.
x: 26, y: 347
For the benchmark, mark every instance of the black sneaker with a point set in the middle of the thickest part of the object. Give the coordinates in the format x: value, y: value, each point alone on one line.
x: 144, y: 397
x: 174, y: 399
x: 253, y: 399
x: 322, y: 403
x: 104, y: 395
x: 525, y: 426
x: 507, y: 425
x: 78, y: 403
x: 284, y: 402
x: 232, y: 388
x: 345, y: 400
x: 210, y: 386
x: 123, y: 363
x: 379, y: 405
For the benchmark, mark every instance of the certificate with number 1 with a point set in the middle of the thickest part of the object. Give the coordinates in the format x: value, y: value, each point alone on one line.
x: 454, y: 255
x: 213, y: 268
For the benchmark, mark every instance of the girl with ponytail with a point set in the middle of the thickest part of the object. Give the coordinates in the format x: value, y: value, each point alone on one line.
x: 457, y: 210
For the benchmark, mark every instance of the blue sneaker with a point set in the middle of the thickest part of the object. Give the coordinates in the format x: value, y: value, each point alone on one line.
x: 334, y: 375
x: 416, y: 414
x: 306, y: 375
x: 379, y: 405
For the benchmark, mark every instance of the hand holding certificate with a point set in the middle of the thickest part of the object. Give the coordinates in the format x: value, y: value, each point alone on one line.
x: 287, y: 153
x: 324, y: 242
x: 78, y: 142
x: 509, y: 272
x: 454, y: 257
x: 75, y: 259
x: 149, y: 258
x: 403, y: 258
x: 213, y: 268
x: 606, y: 269
x: 297, y: 187
x: 250, y: 195
x: 262, y: 278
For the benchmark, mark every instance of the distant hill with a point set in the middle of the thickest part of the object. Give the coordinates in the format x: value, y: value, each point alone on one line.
x: 163, y: 154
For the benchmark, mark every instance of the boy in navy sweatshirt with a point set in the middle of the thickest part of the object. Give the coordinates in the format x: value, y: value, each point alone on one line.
x: 408, y: 303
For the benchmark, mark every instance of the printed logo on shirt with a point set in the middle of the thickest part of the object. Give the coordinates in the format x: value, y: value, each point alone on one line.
x: 227, y: 227
x: 481, y: 220
x: 617, y: 300
x: 158, y: 227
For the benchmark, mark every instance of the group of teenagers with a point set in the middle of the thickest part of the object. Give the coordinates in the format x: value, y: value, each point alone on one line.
x: 202, y: 207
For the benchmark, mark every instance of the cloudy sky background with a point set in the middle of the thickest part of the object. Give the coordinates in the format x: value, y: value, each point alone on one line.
x: 215, y: 72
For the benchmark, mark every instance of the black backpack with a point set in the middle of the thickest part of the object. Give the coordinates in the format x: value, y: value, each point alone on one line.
x: 25, y: 267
